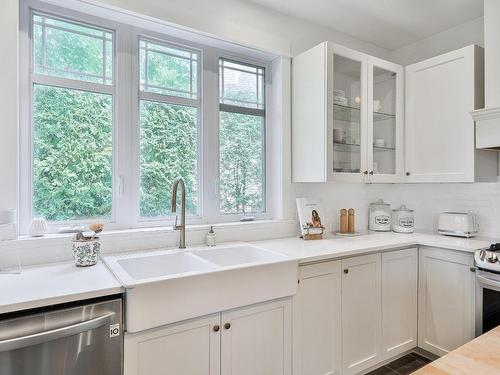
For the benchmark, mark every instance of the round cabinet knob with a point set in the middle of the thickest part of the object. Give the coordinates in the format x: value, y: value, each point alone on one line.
x: 346, y: 271
x: 407, y: 173
x: 216, y: 328
x: 365, y: 172
x: 227, y: 325
x: 371, y: 172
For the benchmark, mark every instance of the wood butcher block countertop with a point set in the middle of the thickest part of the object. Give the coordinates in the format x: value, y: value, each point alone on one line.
x: 480, y: 356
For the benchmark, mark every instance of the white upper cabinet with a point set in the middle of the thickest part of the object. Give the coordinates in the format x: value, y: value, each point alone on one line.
x: 440, y: 94
x: 347, y: 117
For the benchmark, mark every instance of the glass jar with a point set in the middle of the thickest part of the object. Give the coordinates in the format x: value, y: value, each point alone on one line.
x: 380, y: 216
x: 402, y: 220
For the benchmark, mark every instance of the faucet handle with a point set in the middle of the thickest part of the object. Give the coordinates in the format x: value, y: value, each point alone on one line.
x: 175, y: 224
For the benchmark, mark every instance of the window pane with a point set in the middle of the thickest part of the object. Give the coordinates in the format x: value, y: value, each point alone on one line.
x: 72, y: 154
x: 69, y: 50
x: 167, y: 70
x: 241, y: 84
x: 241, y: 163
x: 168, y: 149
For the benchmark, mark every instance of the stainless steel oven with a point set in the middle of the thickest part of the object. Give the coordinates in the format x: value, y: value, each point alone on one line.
x: 487, y: 289
x: 69, y: 340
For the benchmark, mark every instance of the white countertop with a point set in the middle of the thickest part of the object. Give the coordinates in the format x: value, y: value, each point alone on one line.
x: 53, y: 284
x: 63, y: 282
x: 341, y: 247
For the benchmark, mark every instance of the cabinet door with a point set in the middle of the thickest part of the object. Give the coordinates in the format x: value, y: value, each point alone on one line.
x: 440, y: 94
x: 347, y: 106
x: 385, y: 121
x: 361, y: 313
x: 257, y: 340
x: 399, y: 302
x: 317, y: 324
x: 188, y: 348
x: 445, y: 300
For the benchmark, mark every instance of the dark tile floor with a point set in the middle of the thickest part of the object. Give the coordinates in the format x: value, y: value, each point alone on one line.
x: 402, y: 366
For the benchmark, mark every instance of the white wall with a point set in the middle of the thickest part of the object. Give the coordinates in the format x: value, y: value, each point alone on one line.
x: 457, y: 37
x: 492, y: 53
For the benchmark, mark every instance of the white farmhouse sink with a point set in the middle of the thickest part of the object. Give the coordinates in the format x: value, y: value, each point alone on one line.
x: 231, y: 256
x: 168, y: 286
x: 155, y: 266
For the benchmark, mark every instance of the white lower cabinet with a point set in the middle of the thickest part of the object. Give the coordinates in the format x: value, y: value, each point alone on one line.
x: 257, y: 340
x: 361, y: 313
x: 187, y: 348
x: 399, y: 301
x: 250, y: 340
x: 317, y: 324
x: 445, y: 300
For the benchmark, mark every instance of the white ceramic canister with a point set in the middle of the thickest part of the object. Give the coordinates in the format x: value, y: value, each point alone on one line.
x: 402, y: 220
x: 380, y: 216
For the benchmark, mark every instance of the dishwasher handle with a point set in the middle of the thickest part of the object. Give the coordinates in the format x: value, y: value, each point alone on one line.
x: 54, y: 334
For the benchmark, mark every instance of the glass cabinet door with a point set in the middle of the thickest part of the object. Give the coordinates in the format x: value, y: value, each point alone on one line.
x: 348, y: 133
x: 384, y: 121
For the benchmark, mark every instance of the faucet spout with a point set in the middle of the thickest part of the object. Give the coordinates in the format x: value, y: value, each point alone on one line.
x: 179, y: 181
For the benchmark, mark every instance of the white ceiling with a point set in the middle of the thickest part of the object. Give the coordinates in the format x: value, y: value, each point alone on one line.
x: 387, y: 23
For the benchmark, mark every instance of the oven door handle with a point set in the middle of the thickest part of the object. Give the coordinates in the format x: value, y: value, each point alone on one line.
x: 54, y: 334
x: 487, y: 281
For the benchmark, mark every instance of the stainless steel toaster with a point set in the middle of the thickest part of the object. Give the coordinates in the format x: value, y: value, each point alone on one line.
x: 460, y: 224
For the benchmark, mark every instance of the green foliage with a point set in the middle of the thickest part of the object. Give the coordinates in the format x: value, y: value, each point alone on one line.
x: 241, y: 163
x: 72, y: 153
x: 168, y: 150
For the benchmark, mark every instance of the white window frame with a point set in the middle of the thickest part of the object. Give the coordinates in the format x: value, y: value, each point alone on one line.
x: 265, y: 214
x: 126, y: 124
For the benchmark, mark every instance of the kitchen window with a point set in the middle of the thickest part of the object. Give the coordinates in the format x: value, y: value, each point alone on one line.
x: 72, y: 119
x: 242, y: 140
x: 112, y: 113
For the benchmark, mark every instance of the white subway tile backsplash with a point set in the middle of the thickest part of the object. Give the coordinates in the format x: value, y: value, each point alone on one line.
x: 428, y: 200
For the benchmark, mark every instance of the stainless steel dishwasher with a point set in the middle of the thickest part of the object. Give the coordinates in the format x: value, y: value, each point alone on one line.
x: 81, y: 339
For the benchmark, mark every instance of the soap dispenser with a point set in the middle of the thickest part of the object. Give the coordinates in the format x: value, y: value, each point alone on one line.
x: 211, y: 237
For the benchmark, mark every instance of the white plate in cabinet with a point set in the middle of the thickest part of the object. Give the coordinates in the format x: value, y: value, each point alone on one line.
x: 186, y: 348
x: 361, y: 313
x: 257, y: 340
x: 446, y: 300
x: 440, y: 134
x: 317, y: 325
x: 399, y: 301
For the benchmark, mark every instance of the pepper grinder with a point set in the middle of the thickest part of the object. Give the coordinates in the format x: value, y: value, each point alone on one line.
x: 350, y: 220
x: 343, y: 221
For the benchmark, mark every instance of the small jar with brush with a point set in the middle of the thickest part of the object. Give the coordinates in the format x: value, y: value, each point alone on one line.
x: 87, y: 247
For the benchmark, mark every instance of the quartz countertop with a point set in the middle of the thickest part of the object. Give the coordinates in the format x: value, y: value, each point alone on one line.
x: 55, y: 283
x: 480, y: 356
x: 341, y: 247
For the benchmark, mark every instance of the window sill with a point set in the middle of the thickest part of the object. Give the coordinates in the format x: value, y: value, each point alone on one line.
x: 57, y: 247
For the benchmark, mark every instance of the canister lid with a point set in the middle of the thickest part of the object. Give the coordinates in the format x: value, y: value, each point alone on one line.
x: 403, y: 208
x: 379, y: 203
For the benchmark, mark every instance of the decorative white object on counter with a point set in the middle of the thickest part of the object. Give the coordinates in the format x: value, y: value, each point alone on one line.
x: 8, y: 232
x: 39, y: 227
x: 402, y: 220
x: 211, y: 237
x: 380, y: 216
